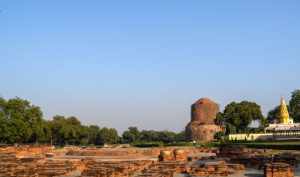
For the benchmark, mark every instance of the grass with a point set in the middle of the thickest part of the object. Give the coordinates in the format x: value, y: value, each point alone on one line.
x: 183, y: 144
x: 280, y: 145
x: 143, y: 144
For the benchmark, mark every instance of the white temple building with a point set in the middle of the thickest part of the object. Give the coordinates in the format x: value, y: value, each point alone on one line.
x: 285, y: 129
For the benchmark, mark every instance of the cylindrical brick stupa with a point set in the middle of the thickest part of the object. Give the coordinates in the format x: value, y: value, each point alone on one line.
x: 204, y: 111
x: 202, y: 126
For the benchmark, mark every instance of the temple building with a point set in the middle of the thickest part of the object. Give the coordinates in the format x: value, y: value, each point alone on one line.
x: 284, y: 128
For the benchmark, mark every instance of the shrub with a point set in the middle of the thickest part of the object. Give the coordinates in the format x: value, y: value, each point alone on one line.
x: 280, y: 145
x: 148, y: 144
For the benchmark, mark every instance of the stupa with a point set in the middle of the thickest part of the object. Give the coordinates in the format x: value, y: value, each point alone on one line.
x: 284, y: 117
x: 285, y: 125
x: 202, y: 126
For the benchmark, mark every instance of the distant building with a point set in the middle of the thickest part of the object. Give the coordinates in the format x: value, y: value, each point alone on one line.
x: 286, y: 129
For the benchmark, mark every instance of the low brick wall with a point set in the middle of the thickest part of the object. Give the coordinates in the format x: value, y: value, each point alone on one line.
x: 278, y: 170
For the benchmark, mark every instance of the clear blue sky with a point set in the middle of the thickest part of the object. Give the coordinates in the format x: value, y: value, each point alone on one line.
x: 143, y: 63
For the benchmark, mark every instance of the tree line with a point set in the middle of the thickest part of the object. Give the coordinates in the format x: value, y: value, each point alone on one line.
x: 22, y: 122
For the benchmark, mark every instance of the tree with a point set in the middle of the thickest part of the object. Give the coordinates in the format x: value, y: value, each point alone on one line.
x: 219, y: 135
x: 108, y: 136
x: 4, y: 129
x: 238, y: 116
x: 273, y: 115
x: 131, y: 135
x: 21, y: 122
x: 166, y: 136
x: 149, y: 135
x: 44, y: 135
x: 93, y: 131
x: 295, y: 105
x: 180, y: 136
x: 220, y: 119
x: 66, y: 130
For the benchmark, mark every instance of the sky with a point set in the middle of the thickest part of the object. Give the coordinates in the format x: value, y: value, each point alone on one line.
x: 143, y: 63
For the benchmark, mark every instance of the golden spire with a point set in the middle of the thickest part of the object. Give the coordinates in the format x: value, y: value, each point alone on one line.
x: 284, y: 113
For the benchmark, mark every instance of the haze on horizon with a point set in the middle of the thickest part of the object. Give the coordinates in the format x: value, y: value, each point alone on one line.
x: 138, y: 63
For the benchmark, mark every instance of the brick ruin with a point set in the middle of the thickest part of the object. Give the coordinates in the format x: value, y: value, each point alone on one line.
x: 134, y: 162
x: 110, y: 162
x: 256, y: 158
x: 114, y: 169
x: 12, y: 166
x: 278, y: 170
x: 178, y: 162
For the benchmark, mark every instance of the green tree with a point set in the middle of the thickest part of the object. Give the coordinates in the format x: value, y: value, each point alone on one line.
x: 273, y: 115
x: 238, y: 116
x: 219, y: 135
x: 181, y: 136
x: 93, y: 131
x: 131, y: 135
x: 74, y: 131
x: 83, y: 135
x: 108, y: 136
x: 21, y: 121
x: 220, y: 119
x: 44, y: 135
x: 295, y: 105
x: 4, y: 129
x: 56, y: 125
x: 166, y: 136
x: 68, y: 131
x: 63, y: 131
x: 149, y: 135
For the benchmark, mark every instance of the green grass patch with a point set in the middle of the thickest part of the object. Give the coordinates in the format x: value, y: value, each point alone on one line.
x: 280, y: 145
x: 143, y: 144
x: 147, y: 144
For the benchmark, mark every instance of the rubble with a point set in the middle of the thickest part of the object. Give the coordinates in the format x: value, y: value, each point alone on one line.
x: 123, y: 162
